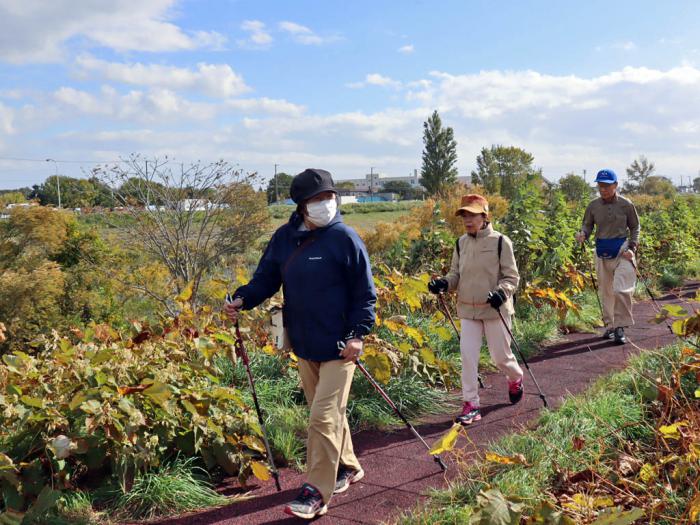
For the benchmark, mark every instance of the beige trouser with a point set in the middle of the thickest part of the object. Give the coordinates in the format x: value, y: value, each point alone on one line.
x: 326, y: 386
x: 498, y: 341
x: 616, y: 281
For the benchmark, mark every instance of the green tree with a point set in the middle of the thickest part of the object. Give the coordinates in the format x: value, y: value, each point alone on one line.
x: 575, y: 188
x: 439, y: 170
x: 345, y: 185
x: 75, y: 193
x: 501, y: 169
x: 696, y: 184
x: 284, y: 181
x: 637, y: 174
x: 659, y: 185
x: 401, y: 187
x: 11, y: 197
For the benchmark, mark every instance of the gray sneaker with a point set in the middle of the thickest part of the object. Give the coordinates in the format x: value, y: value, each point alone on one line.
x: 346, y: 477
x: 308, y: 504
x: 620, y: 338
x: 609, y: 333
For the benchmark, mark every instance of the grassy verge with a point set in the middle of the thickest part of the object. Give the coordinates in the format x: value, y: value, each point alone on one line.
x: 602, y: 455
x: 174, y: 488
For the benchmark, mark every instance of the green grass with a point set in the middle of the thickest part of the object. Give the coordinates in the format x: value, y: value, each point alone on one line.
x: 609, y: 416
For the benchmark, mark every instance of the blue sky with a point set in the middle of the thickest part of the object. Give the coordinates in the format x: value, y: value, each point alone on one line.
x: 346, y: 86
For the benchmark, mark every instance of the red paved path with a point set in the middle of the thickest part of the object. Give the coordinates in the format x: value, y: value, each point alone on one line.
x: 397, y: 468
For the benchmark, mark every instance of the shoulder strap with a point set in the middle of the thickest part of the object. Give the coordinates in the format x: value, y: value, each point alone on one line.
x: 500, y: 247
x: 457, y: 246
x: 297, y: 251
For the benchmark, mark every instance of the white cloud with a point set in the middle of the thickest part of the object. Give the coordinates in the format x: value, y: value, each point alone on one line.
x: 258, y: 36
x: 38, y: 31
x: 6, y: 117
x: 625, y: 46
x: 376, y: 79
x: 216, y: 80
x: 406, y: 50
x: 303, y: 35
x: 266, y: 105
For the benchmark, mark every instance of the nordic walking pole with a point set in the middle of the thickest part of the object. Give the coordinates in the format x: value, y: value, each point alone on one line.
x: 241, y: 352
x: 522, y: 357
x: 447, y: 312
x: 379, y: 389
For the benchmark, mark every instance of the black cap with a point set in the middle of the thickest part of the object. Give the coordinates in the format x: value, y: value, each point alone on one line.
x: 309, y: 183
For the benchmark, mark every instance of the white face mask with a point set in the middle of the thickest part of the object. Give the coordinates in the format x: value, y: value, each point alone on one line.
x: 320, y: 213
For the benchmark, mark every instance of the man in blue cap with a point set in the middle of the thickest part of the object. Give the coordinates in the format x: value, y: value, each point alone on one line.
x: 616, y: 239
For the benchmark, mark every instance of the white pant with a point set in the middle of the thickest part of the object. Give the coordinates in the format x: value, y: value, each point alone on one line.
x: 616, y: 281
x: 498, y: 341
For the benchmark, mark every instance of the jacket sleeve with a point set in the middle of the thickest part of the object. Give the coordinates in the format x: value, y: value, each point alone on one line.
x: 453, y: 275
x: 360, y: 315
x: 509, y: 276
x: 266, y: 280
x: 587, y: 226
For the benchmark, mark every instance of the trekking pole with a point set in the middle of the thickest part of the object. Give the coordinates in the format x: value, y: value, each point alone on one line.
x: 441, y: 299
x: 656, y: 304
x: 373, y: 382
x: 241, y: 352
x: 522, y: 357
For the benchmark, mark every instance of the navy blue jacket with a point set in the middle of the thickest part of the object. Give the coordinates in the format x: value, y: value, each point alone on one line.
x: 329, y: 293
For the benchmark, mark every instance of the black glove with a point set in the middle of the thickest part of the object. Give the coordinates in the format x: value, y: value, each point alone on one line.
x: 437, y: 286
x: 496, y: 298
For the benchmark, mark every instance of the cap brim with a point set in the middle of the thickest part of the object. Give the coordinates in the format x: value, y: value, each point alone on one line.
x: 471, y: 209
x: 320, y: 190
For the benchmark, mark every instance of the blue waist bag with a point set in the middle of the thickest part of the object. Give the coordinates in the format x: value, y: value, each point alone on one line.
x: 609, y: 248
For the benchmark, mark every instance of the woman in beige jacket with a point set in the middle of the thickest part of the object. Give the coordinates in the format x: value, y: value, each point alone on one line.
x: 485, y: 276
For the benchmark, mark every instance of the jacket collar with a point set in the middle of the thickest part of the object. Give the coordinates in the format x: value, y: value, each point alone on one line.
x: 483, y: 232
x: 295, y: 221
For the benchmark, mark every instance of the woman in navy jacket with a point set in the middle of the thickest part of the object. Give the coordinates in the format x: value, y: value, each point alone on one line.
x: 324, y: 271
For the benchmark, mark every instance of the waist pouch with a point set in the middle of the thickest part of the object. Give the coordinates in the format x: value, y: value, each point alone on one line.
x: 609, y: 248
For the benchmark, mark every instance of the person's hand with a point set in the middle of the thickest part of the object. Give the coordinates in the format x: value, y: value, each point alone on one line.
x: 628, y: 254
x: 580, y: 237
x: 352, y: 350
x: 496, y: 298
x: 231, y: 309
x: 437, y: 286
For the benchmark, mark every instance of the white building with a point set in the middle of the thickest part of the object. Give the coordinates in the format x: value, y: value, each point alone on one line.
x: 374, y: 182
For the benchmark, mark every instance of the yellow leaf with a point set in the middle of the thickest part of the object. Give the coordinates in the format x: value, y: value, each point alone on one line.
x: 242, y: 276
x: 647, y: 473
x: 671, y: 431
x: 414, y: 334
x: 378, y: 365
x: 678, y: 327
x: 697, y: 393
x: 185, y: 294
x: 405, y: 347
x: 158, y: 392
x: 427, y: 355
x: 602, y: 502
x: 293, y: 357
x: 517, y: 459
x: 268, y: 349
x: 260, y: 470
x: 694, y: 509
x: 253, y: 443
x: 443, y: 333
x: 447, y: 441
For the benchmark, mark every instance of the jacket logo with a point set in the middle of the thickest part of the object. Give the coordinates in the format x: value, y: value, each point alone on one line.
x: 315, y: 258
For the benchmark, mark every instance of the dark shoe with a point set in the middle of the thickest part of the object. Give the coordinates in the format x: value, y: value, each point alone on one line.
x: 308, y: 504
x: 515, y: 390
x: 470, y: 413
x: 346, y: 477
x: 609, y: 333
x: 620, y: 338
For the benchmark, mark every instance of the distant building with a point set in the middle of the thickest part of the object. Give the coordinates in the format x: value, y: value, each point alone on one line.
x: 374, y: 182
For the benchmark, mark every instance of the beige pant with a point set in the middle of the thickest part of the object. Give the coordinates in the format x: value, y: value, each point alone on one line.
x: 498, y: 341
x: 616, y: 281
x: 326, y: 387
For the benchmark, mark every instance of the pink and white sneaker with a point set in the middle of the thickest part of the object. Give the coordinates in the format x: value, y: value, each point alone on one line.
x: 470, y: 414
x: 515, y: 390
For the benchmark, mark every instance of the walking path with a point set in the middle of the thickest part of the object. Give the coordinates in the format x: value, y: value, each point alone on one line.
x: 398, y: 469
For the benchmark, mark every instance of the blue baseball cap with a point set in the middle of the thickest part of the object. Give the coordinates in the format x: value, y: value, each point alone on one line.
x: 606, y: 176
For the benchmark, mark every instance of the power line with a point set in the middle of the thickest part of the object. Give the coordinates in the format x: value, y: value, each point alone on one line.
x: 21, y: 159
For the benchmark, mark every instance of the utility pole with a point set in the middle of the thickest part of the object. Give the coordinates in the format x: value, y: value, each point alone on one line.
x: 58, y: 181
x: 277, y: 195
x: 371, y: 183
